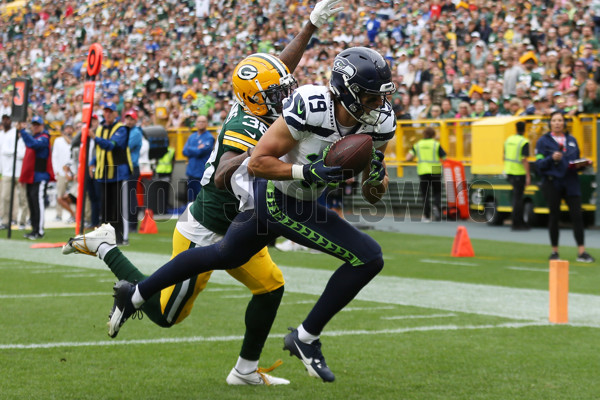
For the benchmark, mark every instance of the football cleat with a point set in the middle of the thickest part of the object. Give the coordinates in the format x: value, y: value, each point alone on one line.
x: 310, y: 354
x: 89, y: 243
x: 585, y: 258
x: 258, y: 377
x: 122, y: 307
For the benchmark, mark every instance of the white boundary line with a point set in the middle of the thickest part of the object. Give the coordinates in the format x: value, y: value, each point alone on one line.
x: 42, y: 295
x: 197, y: 339
x: 420, y: 316
x: 448, y: 262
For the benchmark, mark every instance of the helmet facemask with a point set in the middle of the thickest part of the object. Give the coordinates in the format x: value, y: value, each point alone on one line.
x: 362, y: 112
x: 273, y: 96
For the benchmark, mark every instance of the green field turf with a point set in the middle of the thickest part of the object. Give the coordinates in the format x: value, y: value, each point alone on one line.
x: 429, y: 327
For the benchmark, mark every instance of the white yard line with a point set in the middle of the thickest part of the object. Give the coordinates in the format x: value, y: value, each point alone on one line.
x: 44, y: 295
x: 499, y: 301
x: 448, y: 262
x: 532, y: 269
x: 420, y: 316
x: 196, y: 339
x: 368, y: 308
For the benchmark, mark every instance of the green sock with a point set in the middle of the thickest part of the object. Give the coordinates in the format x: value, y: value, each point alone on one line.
x: 260, y: 314
x: 123, y: 269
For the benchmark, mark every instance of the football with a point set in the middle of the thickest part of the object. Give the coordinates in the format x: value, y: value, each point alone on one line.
x: 352, y: 153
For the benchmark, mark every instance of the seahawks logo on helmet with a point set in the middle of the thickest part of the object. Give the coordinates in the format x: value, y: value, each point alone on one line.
x: 247, y: 72
x: 343, y: 66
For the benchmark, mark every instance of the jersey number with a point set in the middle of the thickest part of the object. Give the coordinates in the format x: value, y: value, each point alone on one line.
x: 317, y: 103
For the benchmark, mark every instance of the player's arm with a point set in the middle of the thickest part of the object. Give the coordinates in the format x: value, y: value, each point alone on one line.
x: 228, y: 164
x: 276, y: 142
x: 375, y: 177
x: 292, y: 53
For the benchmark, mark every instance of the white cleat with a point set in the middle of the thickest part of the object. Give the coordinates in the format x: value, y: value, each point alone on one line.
x: 88, y: 243
x: 258, y: 377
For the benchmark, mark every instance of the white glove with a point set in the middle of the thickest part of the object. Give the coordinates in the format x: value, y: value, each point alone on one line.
x: 323, y: 10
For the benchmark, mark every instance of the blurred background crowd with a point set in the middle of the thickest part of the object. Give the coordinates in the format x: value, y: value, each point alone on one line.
x: 171, y: 61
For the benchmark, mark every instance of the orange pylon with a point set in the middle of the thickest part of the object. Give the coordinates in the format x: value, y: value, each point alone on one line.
x: 462, y: 244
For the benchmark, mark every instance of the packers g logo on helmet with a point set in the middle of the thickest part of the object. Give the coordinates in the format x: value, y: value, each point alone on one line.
x: 260, y: 83
x: 247, y: 72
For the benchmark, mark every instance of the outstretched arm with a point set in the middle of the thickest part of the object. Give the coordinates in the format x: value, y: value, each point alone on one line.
x: 292, y: 53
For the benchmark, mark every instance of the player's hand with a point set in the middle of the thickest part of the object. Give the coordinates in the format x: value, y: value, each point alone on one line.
x: 318, y: 172
x: 323, y: 10
x: 377, y: 172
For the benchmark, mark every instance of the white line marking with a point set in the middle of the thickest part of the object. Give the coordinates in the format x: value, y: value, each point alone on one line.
x: 448, y: 262
x: 50, y: 271
x: 11, y: 265
x: 291, y: 303
x: 532, y: 269
x: 43, y: 295
x: 82, y: 275
x: 195, y: 339
x: 237, y: 296
x: 420, y: 316
x: 367, y: 308
x: 494, y: 300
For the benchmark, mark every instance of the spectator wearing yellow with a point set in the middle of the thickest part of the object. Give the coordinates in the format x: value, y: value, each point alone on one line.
x: 429, y: 154
x: 516, y: 168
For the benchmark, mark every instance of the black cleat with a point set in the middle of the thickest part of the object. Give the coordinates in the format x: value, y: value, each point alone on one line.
x: 122, y: 307
x: 310, y: 354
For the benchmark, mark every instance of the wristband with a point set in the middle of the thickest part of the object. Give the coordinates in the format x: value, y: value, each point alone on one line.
x: 298, y: 172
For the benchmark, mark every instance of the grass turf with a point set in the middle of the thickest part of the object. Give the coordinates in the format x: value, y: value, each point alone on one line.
x: 534, y: 362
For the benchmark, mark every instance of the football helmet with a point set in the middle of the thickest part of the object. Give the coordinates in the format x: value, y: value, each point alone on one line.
x: 357, y: 71
x: 260, y: 83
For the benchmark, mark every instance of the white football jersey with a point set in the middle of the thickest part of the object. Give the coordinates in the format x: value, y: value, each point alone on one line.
x: 309, y: 115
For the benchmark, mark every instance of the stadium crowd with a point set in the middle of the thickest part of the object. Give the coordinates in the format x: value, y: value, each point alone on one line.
x: 171, y: 61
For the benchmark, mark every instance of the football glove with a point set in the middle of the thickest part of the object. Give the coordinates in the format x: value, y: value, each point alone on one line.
x: 377, y: 172
x: 323, y: 10
x: 318, y: 172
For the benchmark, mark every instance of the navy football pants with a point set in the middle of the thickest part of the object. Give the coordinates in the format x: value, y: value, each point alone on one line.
x: 305, y: 222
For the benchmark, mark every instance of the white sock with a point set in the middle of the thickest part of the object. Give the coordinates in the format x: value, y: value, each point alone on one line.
x: 103, y: 249
x: 137, y: 298
x: 245, y: 367
x: 306, y: 337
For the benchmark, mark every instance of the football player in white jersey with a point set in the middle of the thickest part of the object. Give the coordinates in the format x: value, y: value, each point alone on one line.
x: 289, y: 174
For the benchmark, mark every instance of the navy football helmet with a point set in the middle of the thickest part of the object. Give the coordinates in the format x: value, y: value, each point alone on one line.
x: 357, y: 71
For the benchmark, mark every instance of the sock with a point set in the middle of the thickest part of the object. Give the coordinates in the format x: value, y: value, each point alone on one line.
x: 306, y: 337
x: 245, y: 367
x: 137, y: 298
x: 120, y: 265
x: 260, y: 314
x: 103, y: 249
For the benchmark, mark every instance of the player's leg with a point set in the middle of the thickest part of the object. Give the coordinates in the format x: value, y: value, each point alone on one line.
x: 312, y: 225
x: 102, y: 242
x: 242, y: 240
x: 265, y: 280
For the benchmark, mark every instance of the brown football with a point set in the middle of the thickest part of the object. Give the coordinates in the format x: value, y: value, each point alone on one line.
x: 352, y: 153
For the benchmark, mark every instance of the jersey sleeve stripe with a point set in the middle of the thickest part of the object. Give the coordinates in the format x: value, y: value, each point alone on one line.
x: 236, y: 135
x: 240, y: 141
x: 234, y: 144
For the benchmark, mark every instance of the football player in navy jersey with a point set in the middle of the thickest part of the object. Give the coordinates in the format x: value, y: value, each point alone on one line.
x: 260, y: 83
x: 278, y: 187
